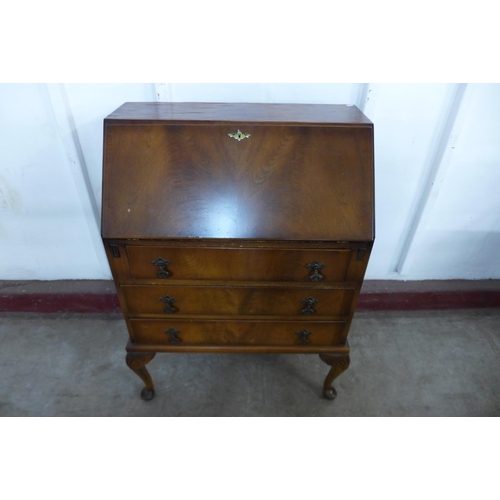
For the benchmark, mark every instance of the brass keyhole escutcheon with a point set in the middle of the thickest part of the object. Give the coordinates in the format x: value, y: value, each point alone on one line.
x: 239, y: 135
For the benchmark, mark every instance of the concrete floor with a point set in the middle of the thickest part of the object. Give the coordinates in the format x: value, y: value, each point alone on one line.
x: 424, y: 363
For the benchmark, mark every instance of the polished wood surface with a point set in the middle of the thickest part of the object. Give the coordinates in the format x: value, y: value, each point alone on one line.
x: 254, y: 245
x: 223, y: 332
x: 144, y: 300
x: 339, y: 364
x: 238, y: 264
x: 286, y: 183
x: 240, y: 349
x: 137, y: 362
x: 256, y: 113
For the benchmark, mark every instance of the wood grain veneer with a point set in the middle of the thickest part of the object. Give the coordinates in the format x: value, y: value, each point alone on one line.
x: 238, y: 227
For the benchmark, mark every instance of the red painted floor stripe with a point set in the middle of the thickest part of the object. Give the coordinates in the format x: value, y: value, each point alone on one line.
x: 67, y: 302
x: 108, y: 303
x: 407, y: 301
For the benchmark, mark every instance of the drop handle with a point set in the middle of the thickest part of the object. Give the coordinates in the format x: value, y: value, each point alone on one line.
x: 304, y: 337
x: 169, y: 301
x: 316, y: 266
x: 309, y: 302
x: 174, y: 339
x: 162, y: 267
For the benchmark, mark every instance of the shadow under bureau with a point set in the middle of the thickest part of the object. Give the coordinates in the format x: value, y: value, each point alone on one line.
x: 238, y: 227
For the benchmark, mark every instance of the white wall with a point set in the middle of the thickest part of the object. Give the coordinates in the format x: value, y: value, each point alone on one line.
x: 437, y: 153
x: 50, y: 147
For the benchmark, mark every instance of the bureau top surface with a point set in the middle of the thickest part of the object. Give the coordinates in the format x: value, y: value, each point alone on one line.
x: 296, y: 172
x: 258, y: 113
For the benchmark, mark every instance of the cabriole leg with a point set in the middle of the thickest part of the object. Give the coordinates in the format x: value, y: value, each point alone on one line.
x: 136, y: 361
x: 339, y: 364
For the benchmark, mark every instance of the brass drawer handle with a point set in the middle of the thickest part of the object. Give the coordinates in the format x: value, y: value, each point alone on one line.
x: 315, y: 267
x: 309, y: 302
x: 173, y: 336
x: 162, y: 271
x: 303, y: 337
x: 169, y: 308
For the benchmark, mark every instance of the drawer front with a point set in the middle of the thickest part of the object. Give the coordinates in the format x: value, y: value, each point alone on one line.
x: 243, y: 301
x: 237, y: 333
x: 248, y: 264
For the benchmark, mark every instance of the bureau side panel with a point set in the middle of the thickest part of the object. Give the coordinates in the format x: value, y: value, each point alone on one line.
x: 118, y: 263
x: 356, y: 270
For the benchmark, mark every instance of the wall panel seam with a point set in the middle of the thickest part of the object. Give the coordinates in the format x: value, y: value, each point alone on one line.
x: 435, y: 164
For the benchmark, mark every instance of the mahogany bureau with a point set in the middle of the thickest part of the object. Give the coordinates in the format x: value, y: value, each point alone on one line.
x: 238, y: 228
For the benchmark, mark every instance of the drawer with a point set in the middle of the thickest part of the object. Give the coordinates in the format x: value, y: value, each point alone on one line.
x: 237, y: 333
x: 242, y: 301
x: 245, y: 264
